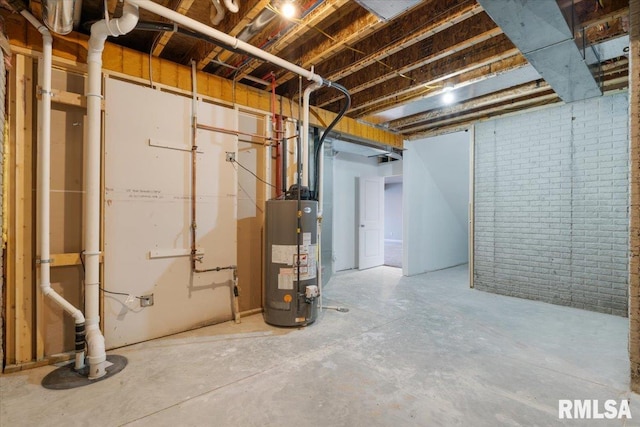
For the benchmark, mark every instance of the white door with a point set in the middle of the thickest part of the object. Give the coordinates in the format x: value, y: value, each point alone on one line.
x: 371, y: 225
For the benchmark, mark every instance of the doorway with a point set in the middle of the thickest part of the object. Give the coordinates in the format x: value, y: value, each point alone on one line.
x: 393, y: 221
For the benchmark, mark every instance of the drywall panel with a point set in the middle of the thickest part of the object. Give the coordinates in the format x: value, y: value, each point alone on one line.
x: 251, y: 162
x: 436, y: 197
x: 147, y: 208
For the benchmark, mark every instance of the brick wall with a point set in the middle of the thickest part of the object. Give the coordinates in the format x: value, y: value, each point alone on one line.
x: 634, y: 260
x: 551, y: 196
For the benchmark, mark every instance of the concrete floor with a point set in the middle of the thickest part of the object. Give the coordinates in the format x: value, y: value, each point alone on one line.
x: 412, y: 351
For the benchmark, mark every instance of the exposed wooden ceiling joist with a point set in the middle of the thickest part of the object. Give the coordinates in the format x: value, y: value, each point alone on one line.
x: 495, y: 105
x: 182, y: 7
x: 232, y: 25
x: 486, y: 53
x: 356, y: 30
x: 315, y: 17
x: 478, y: 29
x: 361, y: 49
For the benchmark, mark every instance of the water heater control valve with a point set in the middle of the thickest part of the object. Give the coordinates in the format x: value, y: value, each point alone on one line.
x: 311, y: 292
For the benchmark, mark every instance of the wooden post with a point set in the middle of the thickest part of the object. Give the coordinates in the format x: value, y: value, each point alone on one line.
x: 20, y: 259
x: 634, y: 210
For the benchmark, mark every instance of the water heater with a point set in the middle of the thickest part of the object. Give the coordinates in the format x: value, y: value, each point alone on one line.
x: 291, y: 283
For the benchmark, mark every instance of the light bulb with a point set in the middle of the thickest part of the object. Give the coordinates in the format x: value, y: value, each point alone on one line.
x: 447, y: 94
x: 288, y: 10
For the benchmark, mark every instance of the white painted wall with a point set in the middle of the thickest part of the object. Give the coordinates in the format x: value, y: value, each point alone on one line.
x: 346, y: 168
x: 393, y: 211
x: 436, y: 197
x: 147, y: 209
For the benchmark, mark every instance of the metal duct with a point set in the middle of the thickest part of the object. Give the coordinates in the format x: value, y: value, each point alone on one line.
x: 539, y: 29
x: 58, y: 15
x: 387, y: 10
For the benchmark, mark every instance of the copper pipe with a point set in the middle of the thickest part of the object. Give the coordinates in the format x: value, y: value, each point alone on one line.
x: 231, y: 131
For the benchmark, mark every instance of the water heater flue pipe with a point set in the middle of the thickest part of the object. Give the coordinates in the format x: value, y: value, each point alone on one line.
x: 43, y: 188
x: 216, y: 14
x: 232, y: 5
x: 225, y: 38
x: 99, y: 32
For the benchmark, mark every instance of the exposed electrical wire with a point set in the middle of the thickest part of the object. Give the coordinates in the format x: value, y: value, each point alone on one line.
x: 102, y: 289
x: 257, y: 177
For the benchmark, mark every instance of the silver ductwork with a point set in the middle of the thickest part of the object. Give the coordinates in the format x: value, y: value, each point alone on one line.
x: 548, y: 35
x: 58, y: 15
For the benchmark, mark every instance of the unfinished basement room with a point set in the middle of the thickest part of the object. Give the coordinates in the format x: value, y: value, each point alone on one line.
x: 320, y: 213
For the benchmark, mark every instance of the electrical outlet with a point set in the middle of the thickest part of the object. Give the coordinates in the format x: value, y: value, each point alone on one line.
x: 231, y: 156
x: 146, y: 300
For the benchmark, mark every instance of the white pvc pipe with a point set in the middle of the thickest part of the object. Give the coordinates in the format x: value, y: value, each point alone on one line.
x: 320, y: 190
x: 43, y: 205
x: 224, y: 38
x: 216, y: 15
x: 232, y: 5
x: 99, y: 32
x: 305, y: 133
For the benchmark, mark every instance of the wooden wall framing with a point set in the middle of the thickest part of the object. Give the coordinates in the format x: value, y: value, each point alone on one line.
x: 19, y: 316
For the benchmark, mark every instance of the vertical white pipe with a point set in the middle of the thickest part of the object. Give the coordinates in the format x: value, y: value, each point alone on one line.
x: 99, y: 31
x: 305, y: 132
x: 43, y: 181
x: 320, y: 190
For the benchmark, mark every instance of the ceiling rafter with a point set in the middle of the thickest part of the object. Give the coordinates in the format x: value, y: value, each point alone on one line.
x: 207, y: 52
x: 465, y: 119
x: 478, y: 56
x: 478, y: 29
x: 182, y: 7
x: 615, y: 78
x: 474, y: 74
x: 448, y: 19
x: 406, y: 124
x: 312, y: 19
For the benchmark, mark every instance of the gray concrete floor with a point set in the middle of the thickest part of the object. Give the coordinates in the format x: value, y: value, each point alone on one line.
x: 412, y: 351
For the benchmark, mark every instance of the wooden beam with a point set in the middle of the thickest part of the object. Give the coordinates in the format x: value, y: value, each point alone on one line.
x: 182, y: 7
x: 476, y: 30
x: 447, y: 19
x: 466, y: 119
x: 233, y: 25
x: 391, y: 38
x: 634, y: 209
x: 359, y: 27
x: 400, y: 90
x: 20, y: 267
x: 66, y: 98
x: 405, y: 124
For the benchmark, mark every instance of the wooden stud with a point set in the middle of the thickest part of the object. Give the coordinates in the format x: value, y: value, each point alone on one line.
x: 20, y: 260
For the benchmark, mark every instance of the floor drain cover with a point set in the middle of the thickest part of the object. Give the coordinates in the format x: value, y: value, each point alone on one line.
x: 65, y: 377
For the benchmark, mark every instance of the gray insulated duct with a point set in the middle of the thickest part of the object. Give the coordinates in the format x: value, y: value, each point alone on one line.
x: 58, y: 15
x: 547, y: 35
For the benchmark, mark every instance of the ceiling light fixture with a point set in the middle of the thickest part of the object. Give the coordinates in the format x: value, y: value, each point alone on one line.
x: 288, y: 10
x: 447, y: 94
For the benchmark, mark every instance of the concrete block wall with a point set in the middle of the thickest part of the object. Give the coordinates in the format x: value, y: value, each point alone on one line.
x: 551, y: 197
